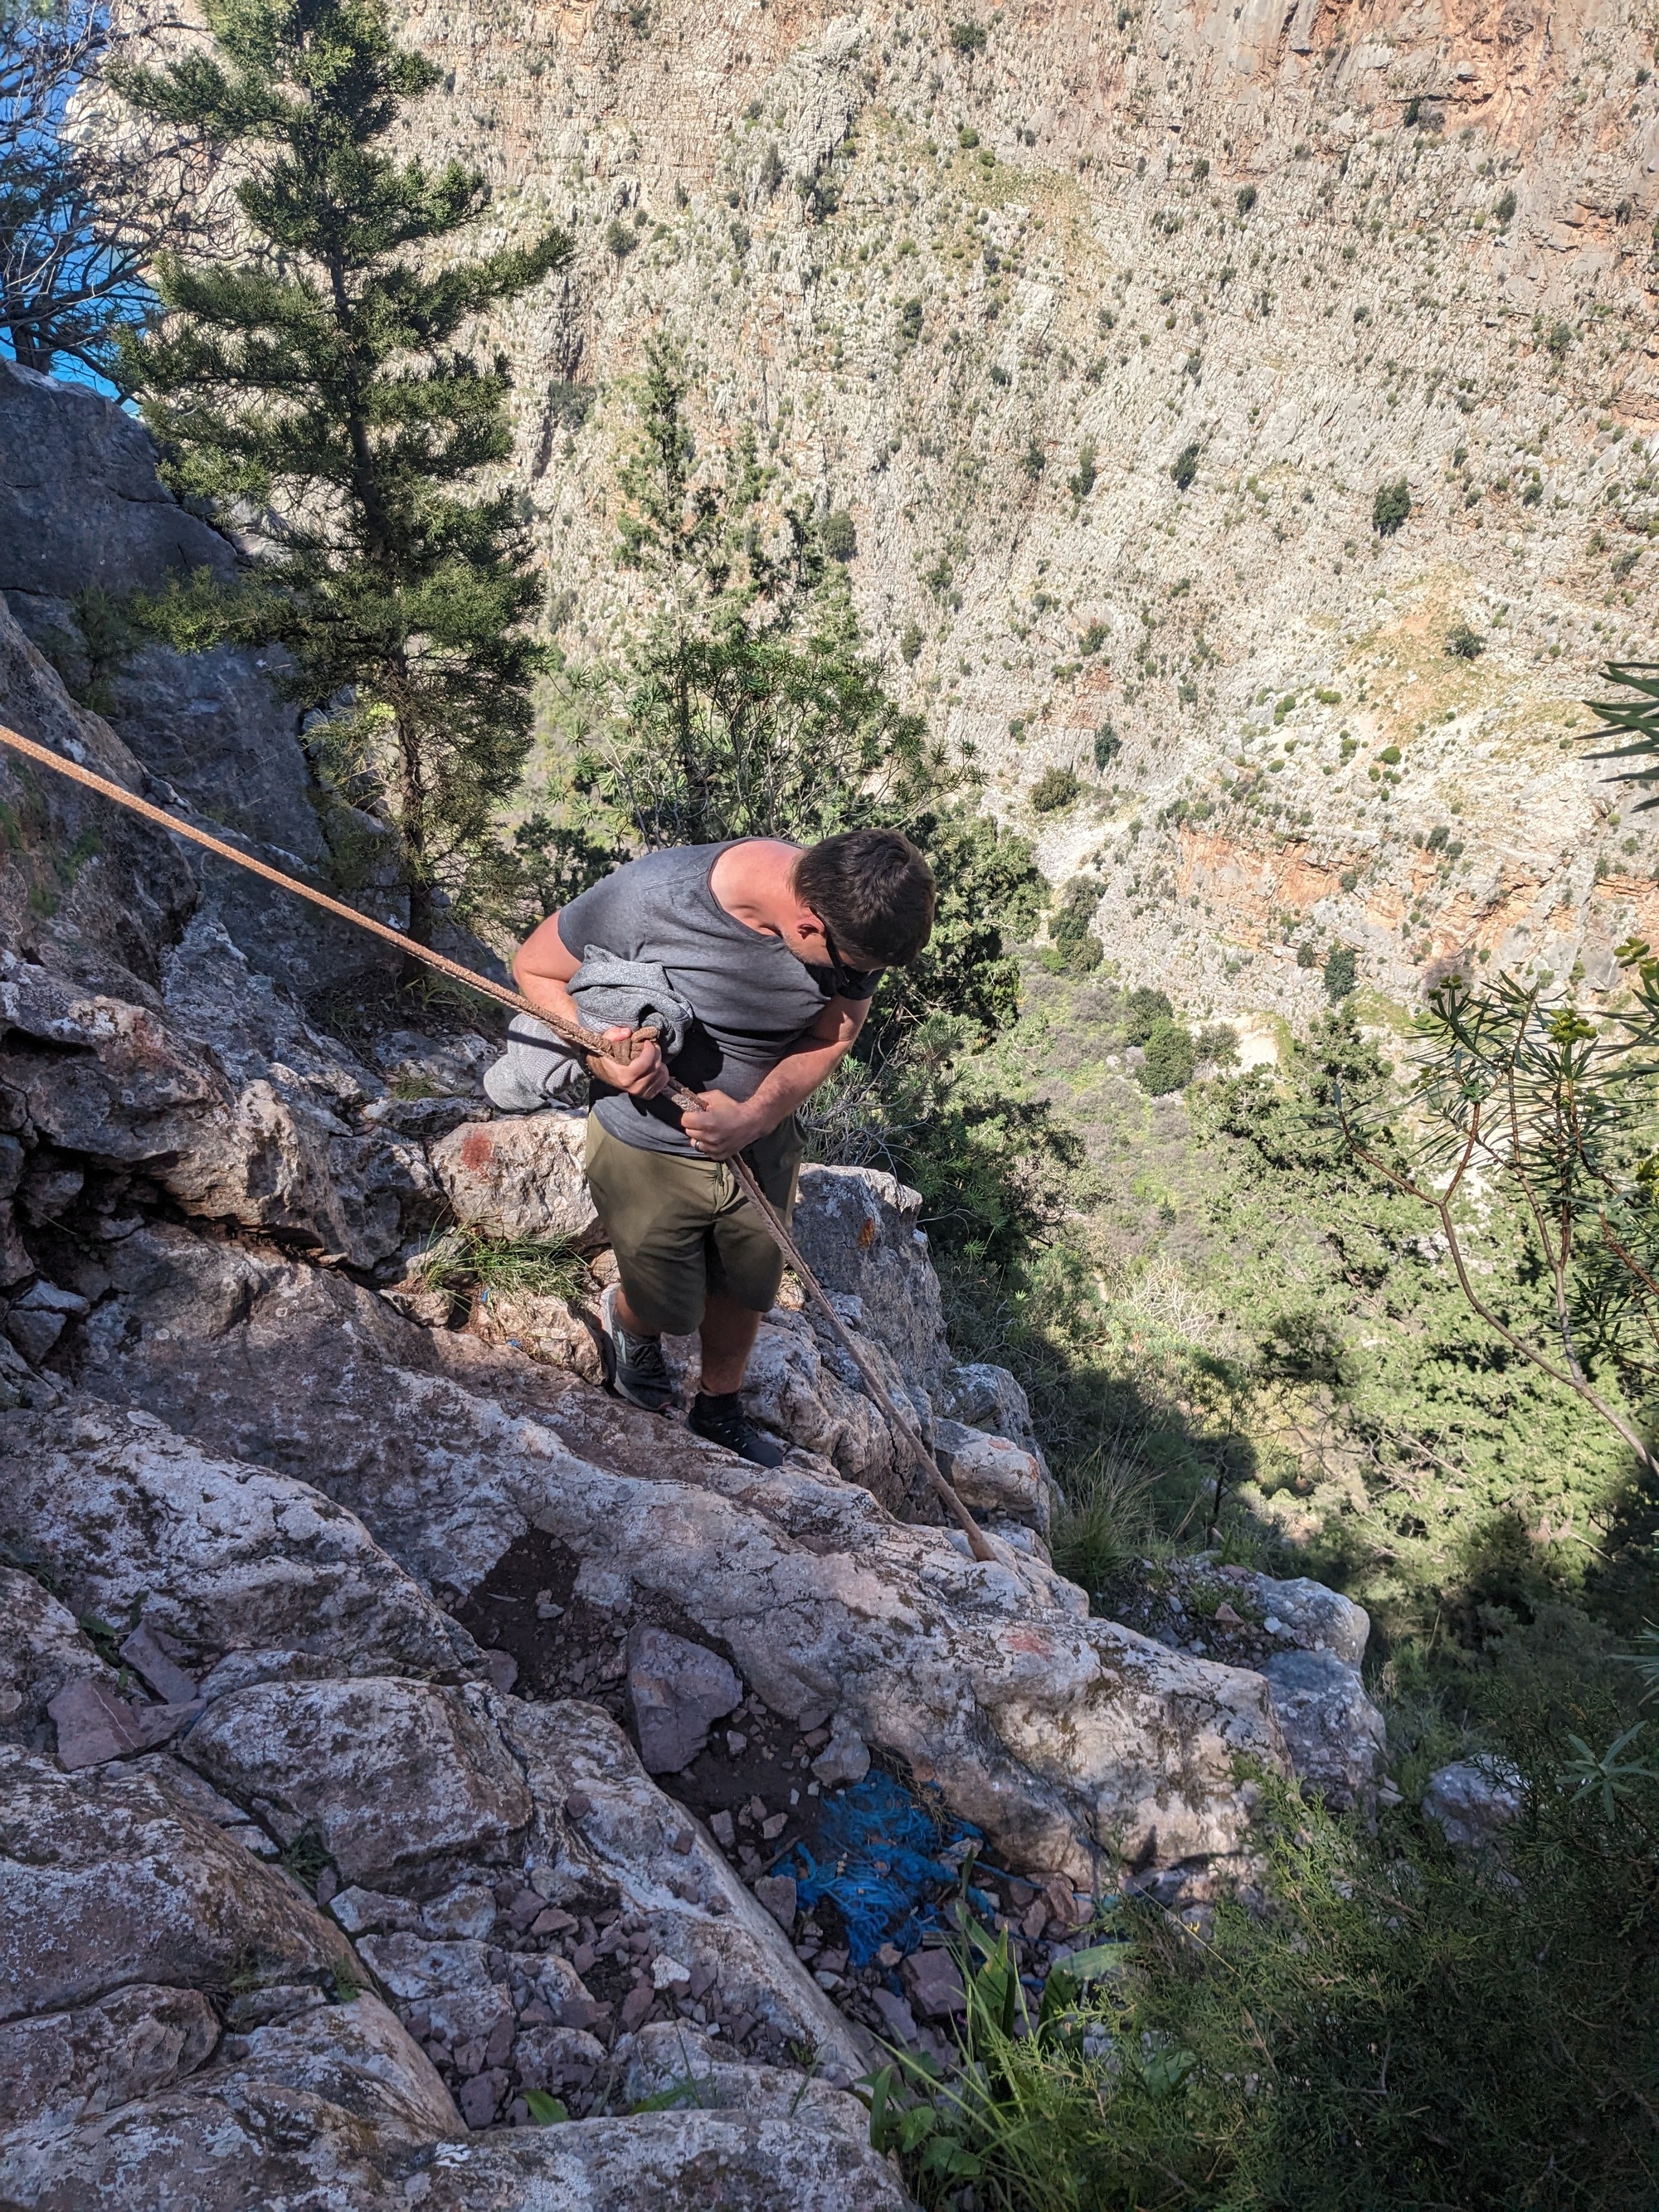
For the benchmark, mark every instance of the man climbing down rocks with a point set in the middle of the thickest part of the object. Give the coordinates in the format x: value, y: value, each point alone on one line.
x: 756, y: 961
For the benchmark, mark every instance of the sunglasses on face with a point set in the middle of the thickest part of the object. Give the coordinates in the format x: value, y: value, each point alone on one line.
x: 838, y: 967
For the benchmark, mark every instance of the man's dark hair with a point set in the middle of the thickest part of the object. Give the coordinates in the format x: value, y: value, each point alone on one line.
x: 873, y: 892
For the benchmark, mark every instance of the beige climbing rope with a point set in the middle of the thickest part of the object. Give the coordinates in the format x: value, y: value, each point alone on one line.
x: 584, y: 1040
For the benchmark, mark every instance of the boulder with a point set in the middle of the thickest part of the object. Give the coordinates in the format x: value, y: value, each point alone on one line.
x: 1334, y: 1735
x: 1473, y: 1801
x: 222, y: 1556
x: 358, y: 2057
x: 42, y: 1652
x: 801, y: 1385
x: 857, y: 1230
x: 543, y: 1327
x: 996, y: 1476
x: 115, y: 1084
x: 80, y: 503
x: 106, y: 1880
x: 765, y: 2162
x: 676, y: 2058
x: 525, y: 1176
x: 246, y: 2144
x: 65, y: 2066
x: 983, y: 1396
x: 678, y: 1691
x: 1306, y: 1640
x: 388, y: 1774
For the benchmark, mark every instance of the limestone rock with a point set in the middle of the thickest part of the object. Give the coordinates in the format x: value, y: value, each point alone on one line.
x: 797, y: 1385
x: 996, y: 1476
x: 677, y: 1691
x: 453, y: 1983
x: 523, y: 1175
x: 603, y: 1821
x: 766, y: 2162
x: 1473, y: 1801
x: 1334, y: 1735
x: 676, y: 2056
x: 845, y: 1758
x: 105, y: 924
x: 106, y: 1880
x: 358, y: 2057
x: 857, y: 1231
x: 933, y: 1981
x: 390, y: 1774
x: 109, y: 1080
x: 94, y: 1724
x: 1307, y: 1641
x: 224, y: 1556
x: 984, y: 1396
x: 42, y: 1651
x: 1064, y: 1736
x: 80, y: 501
x: 319, y: 2111
x: 133, y: 2043
x: 252, y: 2143
x: 542, y: 1325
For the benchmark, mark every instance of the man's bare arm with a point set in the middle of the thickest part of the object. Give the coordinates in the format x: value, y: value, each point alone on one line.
x: 542, y: 970
x: 724, y: 1126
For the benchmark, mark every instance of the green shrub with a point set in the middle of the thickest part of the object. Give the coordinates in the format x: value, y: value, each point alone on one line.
x: 1184, y: 467
x: 1463, y: 643
x: 619, y: 239
x: 1391, y: 506
x: 1400, y: 2029
x: 1034, y: 460
x: 1077, y: 947
x: 1055, y: 788
x: 1505, y: 210
x: 1171, y: 1056
x: 1082, y: 483
x: 838, y: 534
x: 968, y: 38
x: 1141, y: 1009
x: 1390, y: 756
x: 1244, y: 199
x: 1107, y: 745
x: 1341, y: 973
x: 910, y: 643
x: 1560, y: 337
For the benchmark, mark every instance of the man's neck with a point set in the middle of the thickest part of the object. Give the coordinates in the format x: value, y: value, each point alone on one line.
x: 751, y: 882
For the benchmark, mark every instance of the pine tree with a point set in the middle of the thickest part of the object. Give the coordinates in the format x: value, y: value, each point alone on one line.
x: 749, y: 707
x: 316, y: 389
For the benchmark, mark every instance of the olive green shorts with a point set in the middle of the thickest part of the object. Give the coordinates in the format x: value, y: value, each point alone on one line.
x: 681, y: 1228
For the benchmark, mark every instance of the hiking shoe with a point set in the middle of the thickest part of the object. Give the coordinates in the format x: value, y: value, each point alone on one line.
x: 724, y: 1422
x: 638, y: 1370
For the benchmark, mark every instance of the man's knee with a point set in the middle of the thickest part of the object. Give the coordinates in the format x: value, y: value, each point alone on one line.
x: 664, y: 1301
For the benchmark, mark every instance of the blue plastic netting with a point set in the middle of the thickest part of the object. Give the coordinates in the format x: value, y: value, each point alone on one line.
x: 887, y: 1863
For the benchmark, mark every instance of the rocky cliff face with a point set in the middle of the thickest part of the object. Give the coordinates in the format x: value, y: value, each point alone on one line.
x: 395, y: 1729
x: 981, y: 281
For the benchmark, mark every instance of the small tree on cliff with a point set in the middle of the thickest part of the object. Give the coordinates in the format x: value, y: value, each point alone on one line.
x: 317, y: 388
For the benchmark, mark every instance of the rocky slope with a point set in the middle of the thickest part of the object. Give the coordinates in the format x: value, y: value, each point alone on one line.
x: 396, y: 1730
x: 980, y: 280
